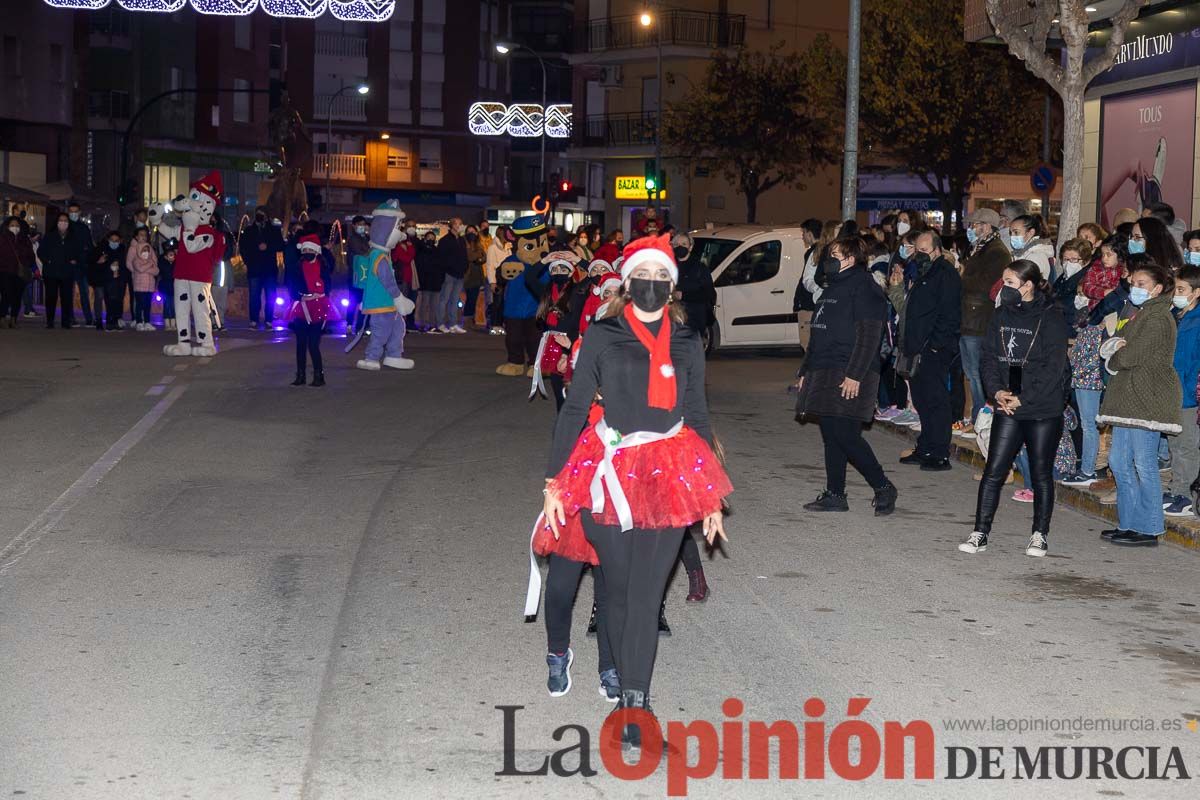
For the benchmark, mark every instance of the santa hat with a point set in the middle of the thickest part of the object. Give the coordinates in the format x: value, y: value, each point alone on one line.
x: 309, y: 244
x: 650, y: 251
x: 599, y: 266
x: 607, y: 252
x: 211, y: 185
x: 562, y: 258
x: 608, y: 283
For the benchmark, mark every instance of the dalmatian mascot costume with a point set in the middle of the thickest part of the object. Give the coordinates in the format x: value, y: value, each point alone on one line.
x: 200, y: 248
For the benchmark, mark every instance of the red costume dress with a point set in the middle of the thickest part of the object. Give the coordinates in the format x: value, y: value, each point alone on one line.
x: 313, y: 305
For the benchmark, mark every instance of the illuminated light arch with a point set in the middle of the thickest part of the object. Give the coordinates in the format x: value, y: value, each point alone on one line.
x: 225, y: 8
x: 300, y: 9
x: 522, y: 120
x: 88, y: 5
x: 362, y: 10
x: 159, y: 6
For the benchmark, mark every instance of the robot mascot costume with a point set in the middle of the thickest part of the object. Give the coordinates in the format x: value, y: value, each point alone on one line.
x: 383, y: 303
x: 201, y: 246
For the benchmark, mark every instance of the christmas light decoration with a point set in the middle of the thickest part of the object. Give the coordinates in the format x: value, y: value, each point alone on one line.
x: 523, y: 120
x: 88, y: 5
x: 301, y: 9
x: 362, y: 10
x: 225, y: 8
x: 160, y: 6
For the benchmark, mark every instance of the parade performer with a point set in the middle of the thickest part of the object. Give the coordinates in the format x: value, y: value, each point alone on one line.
x: 559, y: 313
x: 200, y: 248
x: 525, y: 278
x: 646, y: 470
x: 384, y: 305
x: 311, y: 308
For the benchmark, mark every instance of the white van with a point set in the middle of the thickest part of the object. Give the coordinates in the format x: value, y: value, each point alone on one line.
x: 755, y: 271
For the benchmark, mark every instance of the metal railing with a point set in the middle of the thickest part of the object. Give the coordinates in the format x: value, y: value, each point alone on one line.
x: 691, y: 28
x: 345, y: 167
x: 346, y: 107
x: 616, y: 130
x: 330, y: 43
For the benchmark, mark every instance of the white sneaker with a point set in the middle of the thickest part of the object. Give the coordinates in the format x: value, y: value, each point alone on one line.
x: 1036, y: 546
x: 975, y: 543
x: 458, y: 329
x: 367, y: 364
x: 443, y: 329
x: 399, y: 363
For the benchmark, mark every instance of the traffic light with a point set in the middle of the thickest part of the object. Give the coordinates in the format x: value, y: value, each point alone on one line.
x: 127, y: 192
x: 564, y: 186
x: 655, y: 181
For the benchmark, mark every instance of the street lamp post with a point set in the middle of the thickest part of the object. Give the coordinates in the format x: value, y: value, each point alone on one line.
x: 361, y: 88
x: 504, y: 48
x: 646, y: 19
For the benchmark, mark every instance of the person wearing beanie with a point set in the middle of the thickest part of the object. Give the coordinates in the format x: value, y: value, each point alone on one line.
x: 311, y: 309
x: 839, y: 380
x: 641, y: 472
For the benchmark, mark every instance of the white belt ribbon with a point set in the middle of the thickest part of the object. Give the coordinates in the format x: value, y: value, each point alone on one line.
x: 533, y: 594
x: 539, y: 383
x: 606, y: 473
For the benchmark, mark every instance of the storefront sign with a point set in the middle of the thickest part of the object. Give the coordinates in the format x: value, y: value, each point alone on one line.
x: 1154, y: 44
x: 633, y: 187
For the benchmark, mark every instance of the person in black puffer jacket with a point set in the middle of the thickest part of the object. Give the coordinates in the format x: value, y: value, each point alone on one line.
x: 1024, y: 369
x: 839, y: 380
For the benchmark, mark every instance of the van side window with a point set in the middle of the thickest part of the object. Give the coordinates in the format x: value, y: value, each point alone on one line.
x: 753, y: 265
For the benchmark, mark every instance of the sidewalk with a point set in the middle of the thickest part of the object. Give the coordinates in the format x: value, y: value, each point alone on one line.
x: 1184, y: 531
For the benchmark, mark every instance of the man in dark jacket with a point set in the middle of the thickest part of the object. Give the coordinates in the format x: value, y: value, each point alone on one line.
x: 63, y: 251
x: 259, y: 247
x: 929, y: 329
x: 982, y: 268
x: 452, y: 253
x: 802, y: 302
x: 81, y: 232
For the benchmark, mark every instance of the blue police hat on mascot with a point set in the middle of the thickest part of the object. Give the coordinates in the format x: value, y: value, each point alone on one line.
x: 530, y: 225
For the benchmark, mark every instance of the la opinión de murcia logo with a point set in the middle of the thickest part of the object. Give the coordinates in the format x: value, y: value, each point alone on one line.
x: 851, y: 750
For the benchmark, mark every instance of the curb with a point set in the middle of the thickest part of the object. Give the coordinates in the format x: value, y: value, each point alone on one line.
x: 1182, y: 531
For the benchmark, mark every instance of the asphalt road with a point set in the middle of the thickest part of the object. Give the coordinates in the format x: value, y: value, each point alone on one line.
x: 215, y: 585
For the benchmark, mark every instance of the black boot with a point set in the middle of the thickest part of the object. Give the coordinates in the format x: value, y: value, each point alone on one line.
x: 663, y: 628
x: 828, y: 501
x: 697, y: 586
x: 318, y: 378
x: 631, y: 735
x: 591, y: 629
x: 301, y: 378
x: 885, y: 499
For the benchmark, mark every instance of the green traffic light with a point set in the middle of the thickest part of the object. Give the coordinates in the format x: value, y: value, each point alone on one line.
x: 650, y: 184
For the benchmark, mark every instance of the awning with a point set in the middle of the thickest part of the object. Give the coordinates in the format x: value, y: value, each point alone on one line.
x: 19, y: 194
x: 62, y: 191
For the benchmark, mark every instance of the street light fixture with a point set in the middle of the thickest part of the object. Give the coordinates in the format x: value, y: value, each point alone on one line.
x: 362, y: 89
x: 646, y: 20
x: 504, y: 48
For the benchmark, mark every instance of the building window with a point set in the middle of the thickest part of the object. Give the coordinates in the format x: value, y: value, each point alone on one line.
x: 242, y: 39
x: 398, y: 160
x: 241, y: 101
x: 12, y: 57
x: 431, y: 161
x: 432, y: 38
x: 431, y: 96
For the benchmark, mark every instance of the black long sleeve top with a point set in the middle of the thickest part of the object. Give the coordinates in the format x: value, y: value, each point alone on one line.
x: 613, y: 361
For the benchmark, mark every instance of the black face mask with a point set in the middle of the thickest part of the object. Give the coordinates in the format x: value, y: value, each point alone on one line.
x: 472, y: 237
x: 560, y: 280
x: 830, y: 265
x: 1010, y: 296
x: 261, y: 220
x: 648, y: 295
x: 681, y: 253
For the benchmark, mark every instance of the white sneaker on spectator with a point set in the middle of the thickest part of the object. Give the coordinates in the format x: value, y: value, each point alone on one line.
x: 458, y: 329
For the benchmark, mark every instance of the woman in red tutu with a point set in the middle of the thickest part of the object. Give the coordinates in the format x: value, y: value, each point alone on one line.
x: 311, y: 308
x: 645, y: 471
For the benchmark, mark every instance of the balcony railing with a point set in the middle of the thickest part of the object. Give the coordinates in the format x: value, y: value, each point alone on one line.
x: 688, y: 28
x: 330, y: 43
x: 344, y: 167
x: 617, y: 130
x: 347, y: 106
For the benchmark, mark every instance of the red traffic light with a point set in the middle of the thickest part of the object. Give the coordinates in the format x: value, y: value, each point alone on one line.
x: 564, y: 187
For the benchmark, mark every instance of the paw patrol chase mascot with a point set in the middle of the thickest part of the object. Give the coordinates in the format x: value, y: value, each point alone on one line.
x: 383, y: 303
x: 526, y: 278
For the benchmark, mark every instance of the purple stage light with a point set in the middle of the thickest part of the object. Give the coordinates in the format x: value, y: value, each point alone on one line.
x: 278, y: 301
x: 345, y: 302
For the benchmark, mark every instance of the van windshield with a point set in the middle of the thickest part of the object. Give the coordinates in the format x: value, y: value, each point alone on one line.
x: 710, y: 253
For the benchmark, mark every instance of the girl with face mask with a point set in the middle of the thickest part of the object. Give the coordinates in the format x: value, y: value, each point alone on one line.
x: 654, y: 425
x: 307, y: 281
x: 1023, y: 368
x: 559, y: 315
x: 16, y: 269
x: 1075, y: 260
x: 1142, y: 401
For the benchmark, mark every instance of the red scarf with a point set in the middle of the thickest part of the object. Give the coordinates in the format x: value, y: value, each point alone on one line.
x: 661, y: 393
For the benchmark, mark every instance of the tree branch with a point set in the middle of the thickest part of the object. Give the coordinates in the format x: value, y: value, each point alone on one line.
x: 1023, y: 47
x: 1120, y: 23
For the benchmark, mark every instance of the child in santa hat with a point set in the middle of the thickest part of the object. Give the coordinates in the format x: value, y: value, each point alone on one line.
x: 311, y: 309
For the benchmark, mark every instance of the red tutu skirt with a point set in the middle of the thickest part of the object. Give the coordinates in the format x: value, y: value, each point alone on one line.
x: 670, y: 483
x: 312, y: 309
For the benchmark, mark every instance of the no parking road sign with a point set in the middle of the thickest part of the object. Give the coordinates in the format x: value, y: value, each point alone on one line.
x: 1043, y: 178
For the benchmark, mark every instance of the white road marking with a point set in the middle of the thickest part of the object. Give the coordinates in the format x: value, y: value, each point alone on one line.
x: 15, y: 550
x: 167, y: 379
x: 181, y: 367
x: 155, y: 390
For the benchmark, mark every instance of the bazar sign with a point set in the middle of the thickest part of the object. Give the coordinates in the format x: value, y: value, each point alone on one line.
x: 633, y: 187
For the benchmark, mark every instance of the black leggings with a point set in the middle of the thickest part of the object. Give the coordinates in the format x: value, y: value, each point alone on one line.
x: 636, y: 566
x: 1040, y: 437
x: 844, y: 443
x: 11, y: 289
x: 559, y: 388
x: 562, y: 581
x: 690, y: 551
x: 308, y: 335
x: 58, y: 290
